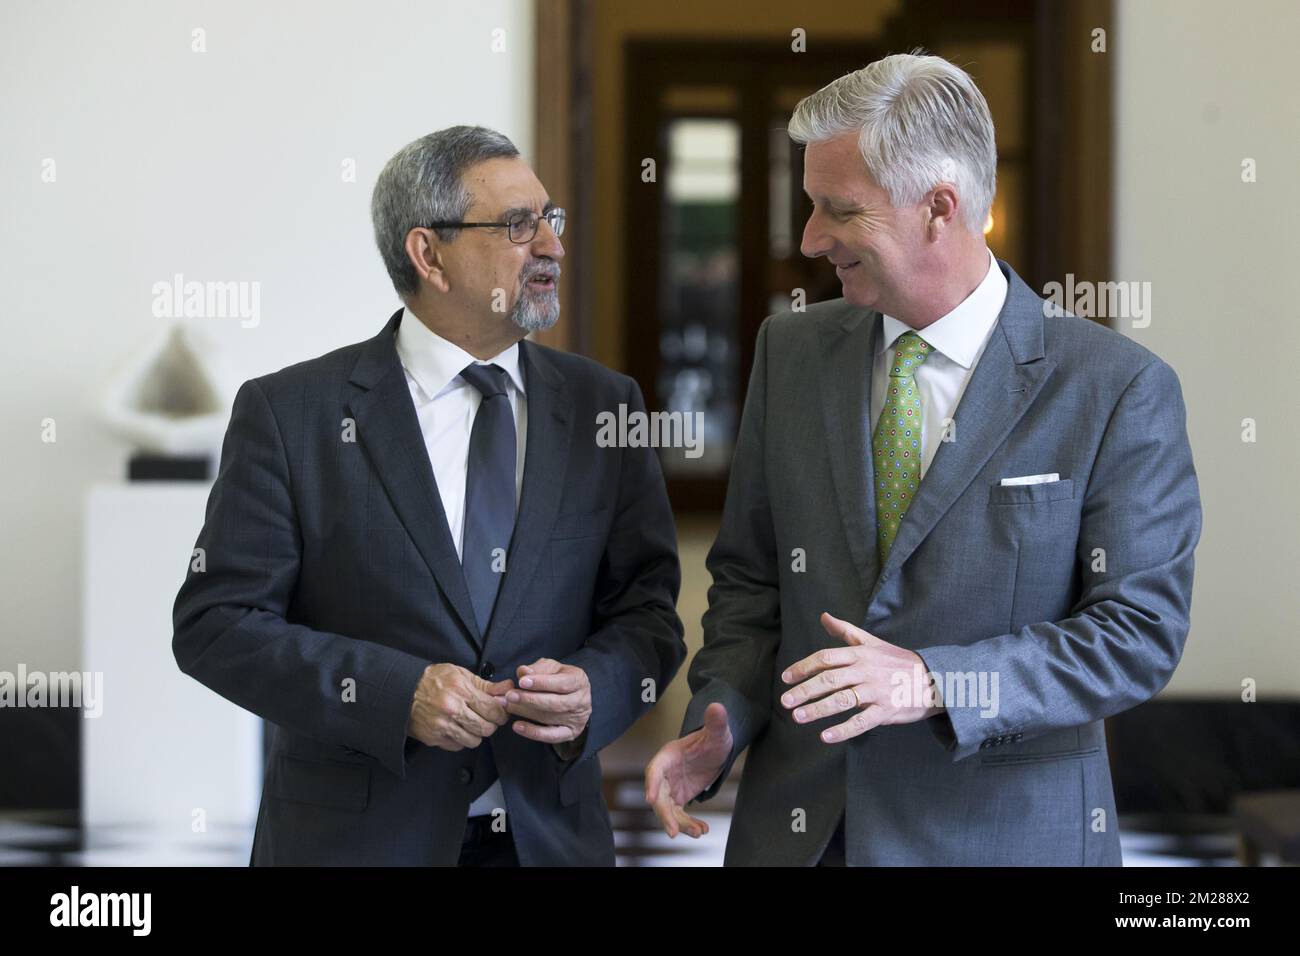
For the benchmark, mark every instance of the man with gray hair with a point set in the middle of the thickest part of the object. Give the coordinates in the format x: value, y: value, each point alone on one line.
x: 416, y: 540
x: 958, y: 534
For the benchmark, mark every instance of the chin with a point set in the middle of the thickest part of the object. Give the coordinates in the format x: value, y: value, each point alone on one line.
x: 531, y: 316
x: 855, y: 294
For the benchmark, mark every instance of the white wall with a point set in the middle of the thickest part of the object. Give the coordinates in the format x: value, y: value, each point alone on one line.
x: 1200, y: 87
x: 223, y: 166
x: 226, y: 165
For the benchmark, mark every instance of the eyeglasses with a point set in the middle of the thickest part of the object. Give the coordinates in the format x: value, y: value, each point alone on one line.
x: 522, y: 225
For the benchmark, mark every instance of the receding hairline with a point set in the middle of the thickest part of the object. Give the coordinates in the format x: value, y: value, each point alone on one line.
x: 476, y: 200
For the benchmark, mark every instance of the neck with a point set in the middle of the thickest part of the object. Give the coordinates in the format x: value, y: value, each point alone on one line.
x: 952, y: 286
x: 466, y: 331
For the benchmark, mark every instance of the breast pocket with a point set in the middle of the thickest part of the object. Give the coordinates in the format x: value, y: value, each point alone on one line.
x: 1039, y: 524
x: 1031, y: 494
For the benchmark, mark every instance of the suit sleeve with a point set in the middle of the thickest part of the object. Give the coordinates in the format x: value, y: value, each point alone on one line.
x: 636, y: 633
x: 742, y: 627
x: 1126, y: 633
x: 230, y: 628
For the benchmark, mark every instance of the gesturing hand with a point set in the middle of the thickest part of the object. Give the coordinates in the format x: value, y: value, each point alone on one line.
x: 860, y: 678
x: 683, y: 768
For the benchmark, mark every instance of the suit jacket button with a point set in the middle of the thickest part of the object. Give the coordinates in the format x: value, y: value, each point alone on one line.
x: 487, y: 670
x: 464, y: 775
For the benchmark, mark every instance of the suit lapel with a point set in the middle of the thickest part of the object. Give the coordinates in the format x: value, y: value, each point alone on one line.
x: 388, y: 430
x: 1006, y: 381
x: 847, y: 349
x: 546, y: 455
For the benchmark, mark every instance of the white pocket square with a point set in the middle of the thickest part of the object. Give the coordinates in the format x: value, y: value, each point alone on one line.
x: 1032, y: 479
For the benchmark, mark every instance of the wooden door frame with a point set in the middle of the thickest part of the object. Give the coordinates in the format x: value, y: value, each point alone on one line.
x: 1068, y: 203
x: 653, y: 64
x: 564, y: 153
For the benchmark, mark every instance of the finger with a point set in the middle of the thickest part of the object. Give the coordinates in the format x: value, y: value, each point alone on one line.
x: 827, y: 682
x: 498, y: 688
x: 859, y: 723
x: 489, y: 707
x: 457, y: 734
x: 545, y: 733
x: 850, y: 698
x: 673, y: 817
x: 495, y: 716
x: 824, y: 659
x: 565, y: 681
x: 478, y: 725
x: 543, y: 665
x: 845, y: 631
x: 665, y: 809
x: 540, y: 715
x: 654, y: 777
x: 691, y: 826
x: 716, y: 726
x: 543, y: 702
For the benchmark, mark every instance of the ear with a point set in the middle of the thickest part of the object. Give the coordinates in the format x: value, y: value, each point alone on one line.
x: 425, y: 250
x: 941, y: 210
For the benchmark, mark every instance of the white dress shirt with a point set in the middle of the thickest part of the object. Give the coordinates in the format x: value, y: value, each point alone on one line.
x: 445, y: 405
x: 958, y: 340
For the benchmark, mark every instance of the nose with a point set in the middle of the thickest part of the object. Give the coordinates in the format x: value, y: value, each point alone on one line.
x: 546, y: 244
x: 814, y: 242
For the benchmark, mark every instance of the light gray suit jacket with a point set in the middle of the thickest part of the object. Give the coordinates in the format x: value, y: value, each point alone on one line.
x: 1076, y: 594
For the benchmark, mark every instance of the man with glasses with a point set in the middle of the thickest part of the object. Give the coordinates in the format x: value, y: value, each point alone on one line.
x: 420, y: 566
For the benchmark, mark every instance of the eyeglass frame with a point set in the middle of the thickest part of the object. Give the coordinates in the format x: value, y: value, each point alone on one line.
x: 537, y: 224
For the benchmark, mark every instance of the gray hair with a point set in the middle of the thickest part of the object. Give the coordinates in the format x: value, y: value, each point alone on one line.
x: 920, y: 121
x: 423, y: 184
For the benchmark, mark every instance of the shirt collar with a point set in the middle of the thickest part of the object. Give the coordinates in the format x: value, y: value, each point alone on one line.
x: 959, y: 334
x: 435, y: 363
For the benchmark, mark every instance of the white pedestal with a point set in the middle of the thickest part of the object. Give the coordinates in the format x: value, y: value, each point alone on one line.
x: 165, y: 747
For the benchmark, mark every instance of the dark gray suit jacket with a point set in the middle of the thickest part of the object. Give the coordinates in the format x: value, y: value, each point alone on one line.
x: 983, y: 579
x: 329, y: 564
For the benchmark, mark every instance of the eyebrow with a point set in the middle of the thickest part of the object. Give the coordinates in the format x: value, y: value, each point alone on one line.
x: 528, y: 209
x: 831, y: 201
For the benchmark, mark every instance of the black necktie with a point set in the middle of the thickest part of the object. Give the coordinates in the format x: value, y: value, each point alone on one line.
x: 489, y: 514
x: 489, y: 491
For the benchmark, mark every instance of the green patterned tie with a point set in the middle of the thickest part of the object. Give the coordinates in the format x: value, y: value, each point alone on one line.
x: 896, y: 445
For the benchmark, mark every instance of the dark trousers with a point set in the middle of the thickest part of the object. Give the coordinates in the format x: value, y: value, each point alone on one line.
x: 484, y: 847
x: 834, y: 852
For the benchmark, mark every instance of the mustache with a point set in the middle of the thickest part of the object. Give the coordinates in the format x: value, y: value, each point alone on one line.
x: 540, y: 268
